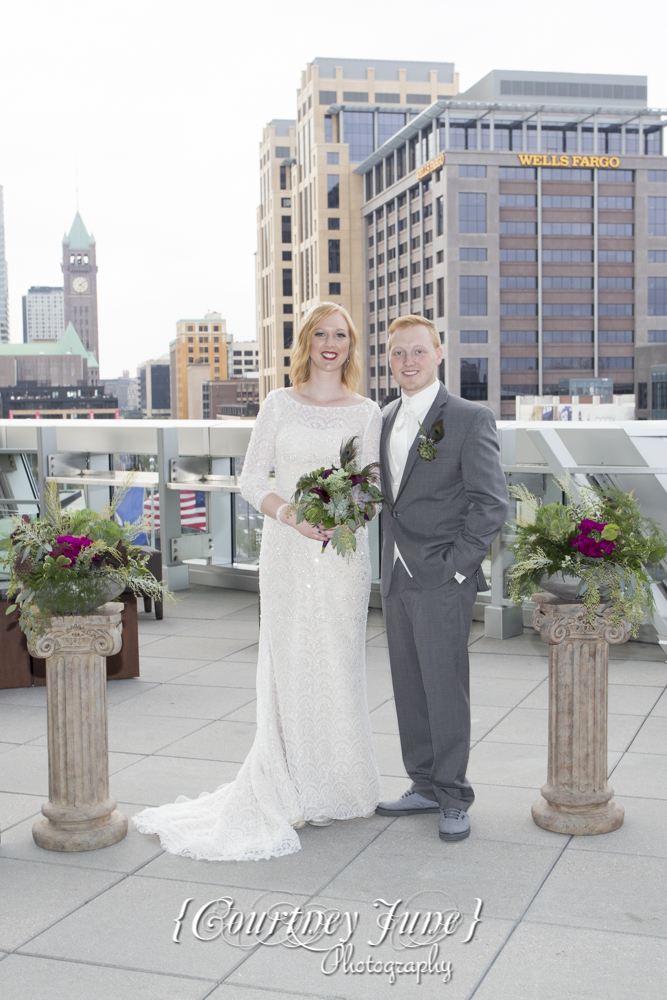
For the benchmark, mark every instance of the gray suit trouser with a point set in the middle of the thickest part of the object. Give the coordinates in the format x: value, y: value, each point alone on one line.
x: 428, y: 631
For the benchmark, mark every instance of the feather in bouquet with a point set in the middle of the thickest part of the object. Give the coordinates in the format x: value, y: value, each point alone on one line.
x: 342, y: 497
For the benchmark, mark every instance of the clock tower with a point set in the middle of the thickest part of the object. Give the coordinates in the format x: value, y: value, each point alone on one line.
x: 80, y: 284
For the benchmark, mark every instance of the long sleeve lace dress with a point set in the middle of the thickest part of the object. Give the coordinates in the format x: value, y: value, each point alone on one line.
x: 313, y: 752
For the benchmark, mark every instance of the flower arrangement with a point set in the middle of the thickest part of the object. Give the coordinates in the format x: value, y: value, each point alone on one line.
x: 604, y: 540
x: 70, y: 562
x: 342, y: 498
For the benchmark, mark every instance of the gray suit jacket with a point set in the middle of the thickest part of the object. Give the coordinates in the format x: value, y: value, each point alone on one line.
x: 447, y: 511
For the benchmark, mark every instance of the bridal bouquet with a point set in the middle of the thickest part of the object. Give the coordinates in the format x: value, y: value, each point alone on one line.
x: 604, y: 540
x: 343, y: 498
x: 71, y: 562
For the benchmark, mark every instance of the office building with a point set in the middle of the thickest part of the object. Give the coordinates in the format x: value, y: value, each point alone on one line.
x: 79, y: 269
x: 346, y: 108
x: 62, y: 363
x: 43, y: 314
x: 273, y: 260
x: 235, y: 397
x: 4, y: 285
x: 197, y: 355
x: 57, y: 402
x: 153, y: 382
x: 242, y: 358
x: 527, y: 218
x: 126, y: 390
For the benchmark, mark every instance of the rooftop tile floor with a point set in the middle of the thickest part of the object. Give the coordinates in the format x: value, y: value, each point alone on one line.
x: 562, y: 917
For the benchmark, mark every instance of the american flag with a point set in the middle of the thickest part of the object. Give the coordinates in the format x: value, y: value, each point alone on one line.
x: 193, y: 509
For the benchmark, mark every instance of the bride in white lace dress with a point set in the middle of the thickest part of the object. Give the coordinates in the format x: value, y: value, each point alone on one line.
x: 312, y: 759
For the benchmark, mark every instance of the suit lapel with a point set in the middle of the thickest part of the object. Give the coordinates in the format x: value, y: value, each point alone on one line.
x: 436, y: 410
x: 387, y: 426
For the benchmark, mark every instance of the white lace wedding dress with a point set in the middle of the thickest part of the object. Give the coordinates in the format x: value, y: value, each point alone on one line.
x: 313, y: 752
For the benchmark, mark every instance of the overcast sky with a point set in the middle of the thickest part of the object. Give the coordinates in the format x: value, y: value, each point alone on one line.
x: 159, y: 108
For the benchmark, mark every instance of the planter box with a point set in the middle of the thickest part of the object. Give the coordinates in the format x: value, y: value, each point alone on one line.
x: 17, y: 669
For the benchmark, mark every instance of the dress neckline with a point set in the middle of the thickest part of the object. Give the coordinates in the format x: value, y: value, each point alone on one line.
x: 314, y: 406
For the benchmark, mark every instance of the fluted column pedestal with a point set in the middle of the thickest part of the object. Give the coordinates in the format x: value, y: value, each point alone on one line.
x: 577, y: 798
x: 80, y: 815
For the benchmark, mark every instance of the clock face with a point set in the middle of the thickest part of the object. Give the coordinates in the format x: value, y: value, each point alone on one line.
x: 80, y: 285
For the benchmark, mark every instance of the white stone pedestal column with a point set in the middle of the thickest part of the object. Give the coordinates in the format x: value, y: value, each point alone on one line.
x: 80, y: 815
x: 577, y: 798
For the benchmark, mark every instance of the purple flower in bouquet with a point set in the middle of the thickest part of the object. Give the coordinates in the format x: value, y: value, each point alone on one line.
x: 343, y: 498
x: 357, y: 493
x: 588, y: 544
x: 70, y: 546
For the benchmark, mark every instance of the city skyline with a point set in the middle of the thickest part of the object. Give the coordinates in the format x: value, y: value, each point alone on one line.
x: 165, y: 155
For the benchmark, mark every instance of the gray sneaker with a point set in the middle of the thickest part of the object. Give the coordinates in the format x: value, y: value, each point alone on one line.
x: 409, y: 804
x: 454, y: 824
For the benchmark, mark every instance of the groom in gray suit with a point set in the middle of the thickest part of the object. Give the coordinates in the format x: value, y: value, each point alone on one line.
x: 447, y: 501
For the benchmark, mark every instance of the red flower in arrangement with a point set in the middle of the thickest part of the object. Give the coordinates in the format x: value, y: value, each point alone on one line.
x: 588, y: 544
x: 70, y: 546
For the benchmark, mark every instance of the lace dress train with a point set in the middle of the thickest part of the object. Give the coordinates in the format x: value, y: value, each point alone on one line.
x: 313, y: 752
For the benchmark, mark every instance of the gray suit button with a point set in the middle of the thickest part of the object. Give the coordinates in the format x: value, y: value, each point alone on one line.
x: 394, y: 513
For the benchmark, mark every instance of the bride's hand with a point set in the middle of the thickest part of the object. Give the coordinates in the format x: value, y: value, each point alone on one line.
x: 318, y: 533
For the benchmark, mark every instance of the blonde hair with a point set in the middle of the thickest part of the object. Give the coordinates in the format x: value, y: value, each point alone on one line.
x: 300, y: 368
x: 404, y: 322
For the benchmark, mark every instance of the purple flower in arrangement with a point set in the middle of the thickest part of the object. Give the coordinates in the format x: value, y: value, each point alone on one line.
x: 357, y: 494
x: 356, y: 479
x: 587, y: 526
x: 327, y: 473
x: 70, y: 546
x: 321, y: 493
x: 589, y: 545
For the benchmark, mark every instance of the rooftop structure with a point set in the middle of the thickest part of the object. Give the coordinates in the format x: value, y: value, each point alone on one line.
x: 597, y: 89
x: 560, y: 915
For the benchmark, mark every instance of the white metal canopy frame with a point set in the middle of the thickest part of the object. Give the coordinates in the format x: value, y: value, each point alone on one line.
x: 204, y: 456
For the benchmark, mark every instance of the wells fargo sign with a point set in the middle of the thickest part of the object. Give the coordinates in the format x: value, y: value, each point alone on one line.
x: 562, y: 160
x: 434, y: 164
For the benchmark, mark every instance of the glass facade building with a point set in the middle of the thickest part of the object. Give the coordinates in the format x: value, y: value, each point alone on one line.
x: 537, y: 207
x: 309, y: 241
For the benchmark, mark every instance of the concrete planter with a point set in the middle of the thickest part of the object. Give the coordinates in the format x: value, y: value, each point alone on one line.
x: 577, y: 798
x: 80, y: 815
x: 563, y: 587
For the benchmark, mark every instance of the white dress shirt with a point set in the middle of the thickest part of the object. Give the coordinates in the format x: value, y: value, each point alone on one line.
x: 412, y: 412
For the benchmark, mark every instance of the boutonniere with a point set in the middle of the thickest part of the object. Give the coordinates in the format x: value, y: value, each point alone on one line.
x: 426, y: 449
